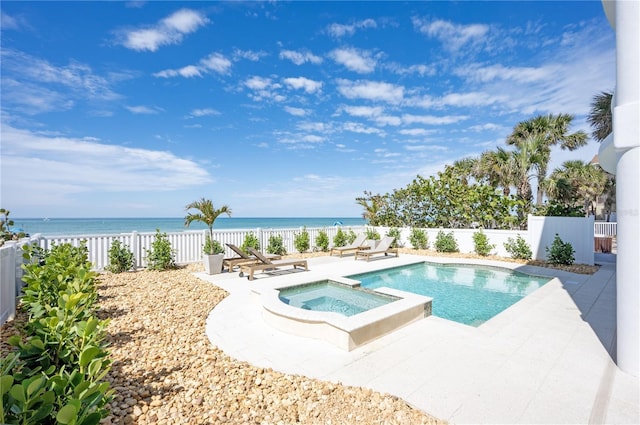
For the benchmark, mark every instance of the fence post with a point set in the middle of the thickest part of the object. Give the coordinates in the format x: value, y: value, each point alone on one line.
x: 135, y: 243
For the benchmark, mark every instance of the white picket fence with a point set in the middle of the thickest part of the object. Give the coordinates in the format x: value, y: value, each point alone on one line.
x: 11, y: 275
x: 605, y: 228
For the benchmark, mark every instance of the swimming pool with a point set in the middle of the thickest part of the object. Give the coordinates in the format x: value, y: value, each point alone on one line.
x: 331, y: 296
x: 463, y: 293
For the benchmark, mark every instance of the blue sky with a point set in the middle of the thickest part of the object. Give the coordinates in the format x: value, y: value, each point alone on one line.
x: 134, y: 109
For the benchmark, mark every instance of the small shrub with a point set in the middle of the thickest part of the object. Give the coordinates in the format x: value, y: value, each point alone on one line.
x: 419, y: 239
x: 212, y: 246
x: 351, y: 236
x: 120, y: 258
x: 560, y: 252
x: 340, y: 239
x: 372, y: 233
x: 301, y: 240
x: 161, y: 256
x: 481, y: 243
x: 446, y: 242
x: 276, y: 245
x: 322, y: 241
x: 250, y: 241
x: 394, y: 233
x: 518, y: 248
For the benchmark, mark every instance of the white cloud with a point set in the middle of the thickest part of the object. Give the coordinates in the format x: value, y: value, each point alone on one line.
x: 215, y: 62
x: 300, y: 57
x: 453, y: 36
x: 371, y: 90
x: 357, y: 60
x: 205, y: 112
x: 356, y: 127
x: 143, y: 110
x: 432, y: 120
x: 415, y: 132
x: 364, y: 111
x: 340, y: 30
x: 64, y: 166
x: 309, y: 86
x: 298, y: 112
x: 486, y: 73
x: 170, y: 30
x: 249, y: 55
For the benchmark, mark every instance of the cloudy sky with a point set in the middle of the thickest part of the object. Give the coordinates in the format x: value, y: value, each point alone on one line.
x: 134, y: 109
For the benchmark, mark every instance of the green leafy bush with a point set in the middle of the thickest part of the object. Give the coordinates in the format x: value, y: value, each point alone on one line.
x: 161, y: 256
x: 560, y: 252
x: 518, y: 248
x: 212, y: 246
x: 351, y: 236
x: 120, y: 258
x: 340, y: 239
x: 322, y: 241
x: 276, y: 245
x: 250, y: 241
x: 56, y: 372
x: 481, y: 243
x: 301, y: 240
x: 372, y: 233
x: 418, y: 238
x: 394, y: 232
x: 446, y: 242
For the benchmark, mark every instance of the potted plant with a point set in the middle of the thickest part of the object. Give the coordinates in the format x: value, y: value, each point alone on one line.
x: 207, y: 214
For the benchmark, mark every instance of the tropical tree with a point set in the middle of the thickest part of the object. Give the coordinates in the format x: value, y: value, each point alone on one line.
x: 600, y: 117
x: 372, y: 205
x: 577, y: 183
x: 495, y: 167
x: 548, y: 130
x: 206, y: 214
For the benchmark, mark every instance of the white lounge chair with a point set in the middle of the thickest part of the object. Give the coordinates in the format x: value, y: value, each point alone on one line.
x: 266, y: 264
x: 357, y: 244
x: 383, y: 247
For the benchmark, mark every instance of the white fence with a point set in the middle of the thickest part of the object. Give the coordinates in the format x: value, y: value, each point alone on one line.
x: 605, y: 228
x: 11, y: 276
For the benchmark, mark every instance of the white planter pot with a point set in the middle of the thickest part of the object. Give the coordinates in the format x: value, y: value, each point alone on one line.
x: 213, y: 263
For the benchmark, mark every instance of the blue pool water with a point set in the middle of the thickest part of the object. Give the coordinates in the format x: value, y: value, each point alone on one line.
x: 334, y: 297
x: 463, y: 293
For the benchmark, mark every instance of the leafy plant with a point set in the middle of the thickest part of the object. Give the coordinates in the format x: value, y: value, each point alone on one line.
x: 394, y: 232
x: 250, y: 241
x: 276, y: 245
x: 206, y: 214
x: 418, y: 239
x: 340, y: 239
x: 212, y: 246
x: 372, y: 233
x: 446, y: 242
x: 322, y: 241
x: 301, y: 240
x: 560, y: 252
x: 120, y: 258
x: 351, y: 236
x: 161, y: 256
x: 518, y: 248
x: 481, y: 243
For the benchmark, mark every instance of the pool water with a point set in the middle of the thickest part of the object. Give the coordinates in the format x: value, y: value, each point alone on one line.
x: 333, y: 297
x: 463, y: 293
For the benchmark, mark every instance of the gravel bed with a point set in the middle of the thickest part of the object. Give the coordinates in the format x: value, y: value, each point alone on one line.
x: 165, y: 370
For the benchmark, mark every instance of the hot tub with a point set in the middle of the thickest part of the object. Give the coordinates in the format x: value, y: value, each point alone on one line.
x: 336, y: 310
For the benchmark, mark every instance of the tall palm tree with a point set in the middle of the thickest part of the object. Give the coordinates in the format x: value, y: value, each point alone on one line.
x: 495, y: 168
x: 600, y: 116
x: 577, y: 183
x: 372, y: 205
x: 206, y: 214
x: 550, y: 130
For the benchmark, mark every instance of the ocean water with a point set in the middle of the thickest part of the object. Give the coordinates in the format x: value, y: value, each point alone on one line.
x: 102, y: 226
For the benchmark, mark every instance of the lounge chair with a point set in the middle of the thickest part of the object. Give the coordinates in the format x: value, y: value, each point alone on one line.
x: 243, y: 258
x: 357, y: 244
x: 384, y: 247
x: 267, y: 264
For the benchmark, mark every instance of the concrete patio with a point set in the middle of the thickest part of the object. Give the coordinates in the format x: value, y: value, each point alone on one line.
x: 547, y: 359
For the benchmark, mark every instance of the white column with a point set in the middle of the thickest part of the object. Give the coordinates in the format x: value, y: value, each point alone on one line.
x: 624, y: 16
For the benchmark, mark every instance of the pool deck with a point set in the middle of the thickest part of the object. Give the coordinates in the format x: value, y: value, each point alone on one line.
x: 547, y: 359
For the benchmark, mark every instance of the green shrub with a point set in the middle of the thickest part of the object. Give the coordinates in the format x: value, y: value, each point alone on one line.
x: 276, y: 245
x: 322, y: 241
x: 481, y: 243
x: 55, y: 374
x: 418, y: 239
x: 446, y: 242
x: 301, y: 240
x: 161, y: 256
x: 372, y: 233
x: 340, y: 239
x: 250, y: 241
x: 518, y: 248
x: 394, y: 233
x: 351, y: 236
x: 560, y: 252
x: 120, y: 258
x: 212, y: 246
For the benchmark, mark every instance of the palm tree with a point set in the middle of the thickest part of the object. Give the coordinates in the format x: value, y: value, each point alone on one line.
x: 372, y: 205
x: 600, y: 116
x: 495, y: 168
x: 207, y: 213
x: 549, y: 130
x: 578, y: 182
